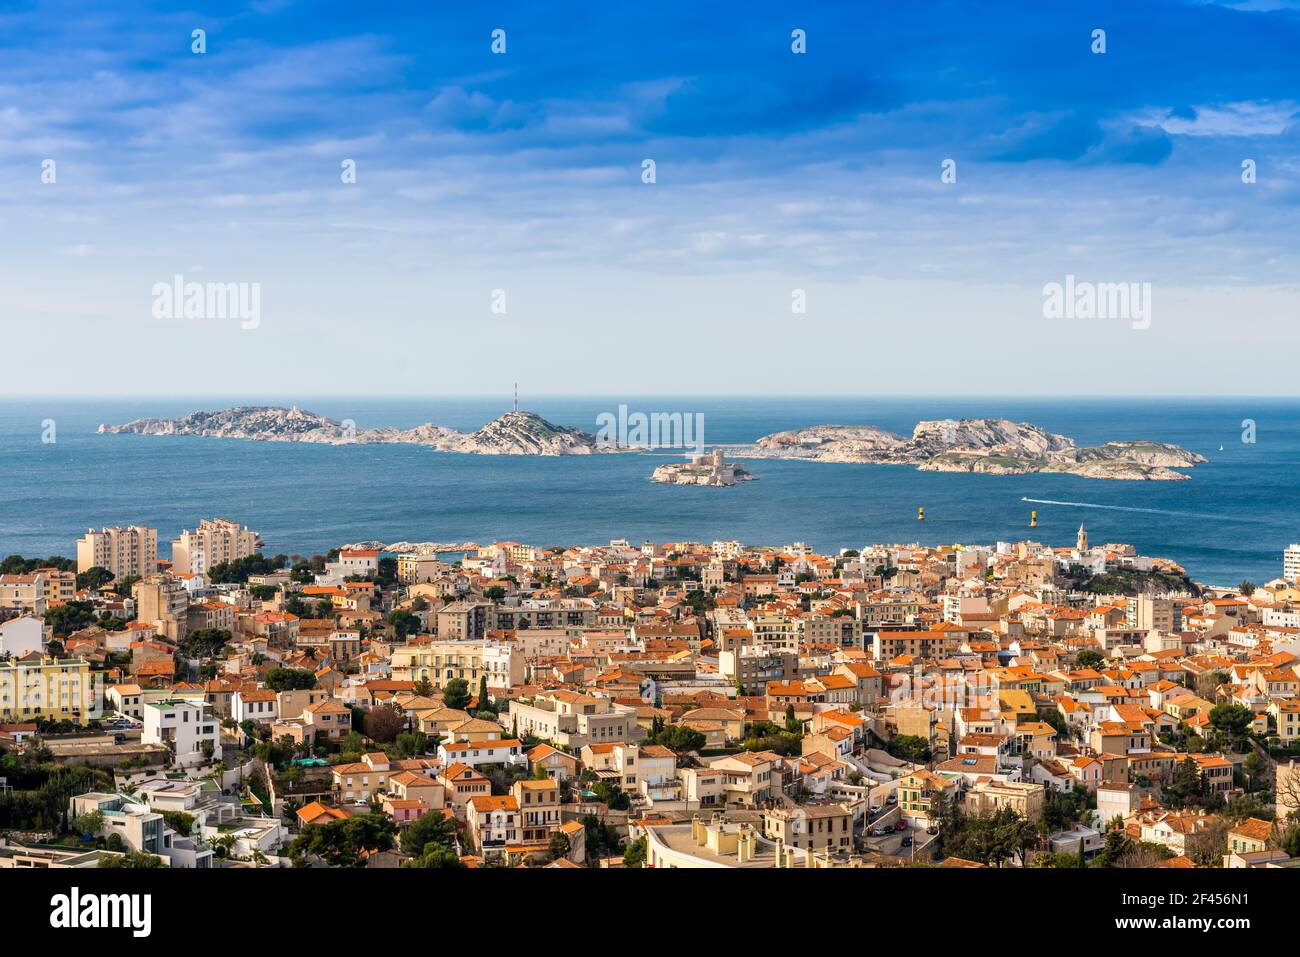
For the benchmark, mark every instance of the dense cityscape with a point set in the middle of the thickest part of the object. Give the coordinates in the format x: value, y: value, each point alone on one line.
x: 642, y: 705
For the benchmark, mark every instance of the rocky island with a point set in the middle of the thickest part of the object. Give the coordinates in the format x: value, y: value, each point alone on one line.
x: 988, y: 446
x: 712, y: 470
x: 515, y: 433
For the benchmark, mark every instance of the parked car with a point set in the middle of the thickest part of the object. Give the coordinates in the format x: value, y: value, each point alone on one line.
x: 892, y: 799
x: 900, y: 826
x: 907, y: 842
x: 875, y: 809
x: 932, y: 829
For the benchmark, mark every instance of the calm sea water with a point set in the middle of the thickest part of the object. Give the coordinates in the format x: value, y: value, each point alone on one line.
x: 1231, y: 521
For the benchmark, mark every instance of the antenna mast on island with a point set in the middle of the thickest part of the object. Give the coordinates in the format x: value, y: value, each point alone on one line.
x: 516, y: 396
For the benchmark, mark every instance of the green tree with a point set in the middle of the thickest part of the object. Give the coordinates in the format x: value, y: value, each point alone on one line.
x: 17, y: 565
x: 136, y: 859
x: 792, y: 724
x: 634, y: 853
x: 436, y: 856
x: 910, y: 747
x: 455, y: 694
x: 1187, y: 784
x: 179, y: 821
x: 1231, y: 720
x: 994, y: 839
x: 94, y: 578
x: 344, y: 843
x: 69, y: 617
x: 403, y: 623
x: 676, y: 737
x: 237, y: 572
x: 290, y: 679
x: 411, y: 744
x: 203, y: 643
x: 431, y: 829
x: 1289, y: 840
x: 1089, y: 658
x: 90, y: 823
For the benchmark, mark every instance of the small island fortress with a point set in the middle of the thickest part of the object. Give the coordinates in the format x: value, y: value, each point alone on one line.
x: 711, y: 469
x: 987, y: 446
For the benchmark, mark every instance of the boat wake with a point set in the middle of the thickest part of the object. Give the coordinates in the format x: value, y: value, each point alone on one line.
x: 1148, y: 511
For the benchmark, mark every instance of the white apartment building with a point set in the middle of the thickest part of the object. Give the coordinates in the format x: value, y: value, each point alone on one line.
x: 124, y: 552
x: 183, y: 726
x: 214, y: 542
x: 355, y: 561
x: 21, y: 636
x: 1291, y: 562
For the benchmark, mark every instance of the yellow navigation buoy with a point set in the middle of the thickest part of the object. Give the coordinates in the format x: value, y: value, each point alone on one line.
x: 1033, y: 519
x: 920, y: 514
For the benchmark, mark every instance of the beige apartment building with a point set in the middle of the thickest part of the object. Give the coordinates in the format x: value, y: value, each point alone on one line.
x: 748, y: 779
x: 1146, y: 613
x: 162, y: 600
x: 570, y: 720
x: 538, y: 803
x: 988, y: 797
x: 123, y: 552
x: 844, y: 630
x: 214, y: 542
x: 413, y: 569
x: 470, y: 659
x: 23, y: 593
x: 753, y: 669
x: 816, y: 826
x: 887, y: 645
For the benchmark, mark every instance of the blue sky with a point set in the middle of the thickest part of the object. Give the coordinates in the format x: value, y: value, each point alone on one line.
x: 775, y: 172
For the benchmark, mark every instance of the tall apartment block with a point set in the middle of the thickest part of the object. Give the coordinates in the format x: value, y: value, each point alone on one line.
x: 124, y: 552
x: 214, y: 542
x: 1291, y: 562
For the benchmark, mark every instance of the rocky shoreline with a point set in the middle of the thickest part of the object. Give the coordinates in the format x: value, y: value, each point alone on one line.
x: 413, y: 548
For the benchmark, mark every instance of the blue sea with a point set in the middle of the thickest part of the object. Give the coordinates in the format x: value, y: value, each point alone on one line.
x: 1230, y: 522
